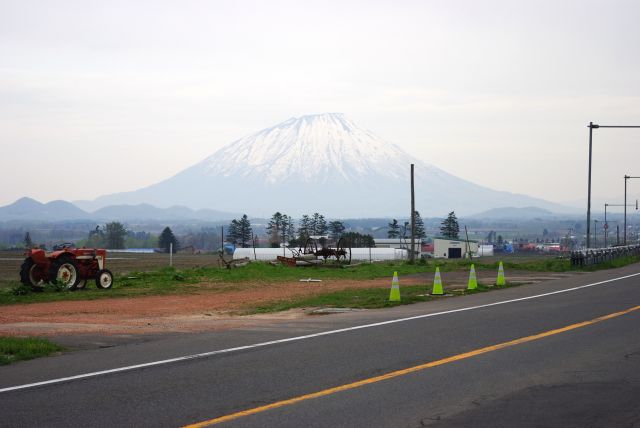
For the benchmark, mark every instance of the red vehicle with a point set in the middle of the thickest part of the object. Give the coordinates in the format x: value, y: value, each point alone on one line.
x: 71, y: 267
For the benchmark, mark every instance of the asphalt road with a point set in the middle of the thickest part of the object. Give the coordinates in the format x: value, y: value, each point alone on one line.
x: 583, y: 376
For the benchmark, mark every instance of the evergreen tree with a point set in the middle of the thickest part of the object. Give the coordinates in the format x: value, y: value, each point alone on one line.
x: 290, y: 228
x: 420, y: 232
x: 239, y: 231
x: 304, y: 229
x: 115, y: 234
x: 28, y: 243
x: 336, y: 228
x: 320, y: 224
x: 166, y: 238
x: 274, y: 229
x: 233, y: 232
x: 358, y: 240
x: 394, y: 229
x: 244, y: 231
x: 449, y: 227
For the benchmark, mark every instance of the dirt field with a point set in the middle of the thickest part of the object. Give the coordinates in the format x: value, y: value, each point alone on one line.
x: 118, y: 263
x: 204, y: 311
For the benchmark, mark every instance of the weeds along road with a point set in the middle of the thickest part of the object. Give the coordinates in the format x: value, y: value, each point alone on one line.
x: 515, y: 357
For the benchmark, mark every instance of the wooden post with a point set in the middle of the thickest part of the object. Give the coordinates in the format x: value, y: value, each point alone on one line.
x: 170, y: 253
x: 253, y: 241
x: 468, y: 245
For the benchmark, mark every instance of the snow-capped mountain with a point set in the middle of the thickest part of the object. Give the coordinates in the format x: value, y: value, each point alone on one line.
x: 318, y: 163
x: 310, y: 149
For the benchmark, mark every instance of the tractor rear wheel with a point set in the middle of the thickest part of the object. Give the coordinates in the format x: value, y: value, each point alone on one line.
x: 32, y: 274
x: 64, y: 270
x: 104, y: 279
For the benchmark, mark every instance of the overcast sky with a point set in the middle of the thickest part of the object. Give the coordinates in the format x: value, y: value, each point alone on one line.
x: 98, y: 97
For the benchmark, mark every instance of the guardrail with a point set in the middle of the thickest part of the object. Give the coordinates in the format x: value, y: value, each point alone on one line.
x: 595, y: 256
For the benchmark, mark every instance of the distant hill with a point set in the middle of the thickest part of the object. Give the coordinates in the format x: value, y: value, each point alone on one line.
x: 515, y: 213
x: 28, y: 209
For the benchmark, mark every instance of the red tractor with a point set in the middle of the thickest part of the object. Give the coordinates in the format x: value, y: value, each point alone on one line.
x: 70, y: 267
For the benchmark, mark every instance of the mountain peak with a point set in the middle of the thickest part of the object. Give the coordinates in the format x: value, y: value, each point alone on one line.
x: 328, y: 116
x: 26, y: 202
x: 312, y: 148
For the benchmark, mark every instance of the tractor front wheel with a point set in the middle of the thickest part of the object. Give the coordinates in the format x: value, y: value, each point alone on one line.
x: 32, y: 274
x: 104, y: 279
x: 65, y: 272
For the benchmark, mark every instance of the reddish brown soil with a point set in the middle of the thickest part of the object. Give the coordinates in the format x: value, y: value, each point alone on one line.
x: 206, y: 310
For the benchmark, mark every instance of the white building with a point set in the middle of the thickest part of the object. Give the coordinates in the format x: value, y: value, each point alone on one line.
x: 454, y: 248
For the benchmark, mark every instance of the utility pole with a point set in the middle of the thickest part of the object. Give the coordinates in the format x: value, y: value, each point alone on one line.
x: 412, y: 255
x: 591, y: 126
x: 606, y: 225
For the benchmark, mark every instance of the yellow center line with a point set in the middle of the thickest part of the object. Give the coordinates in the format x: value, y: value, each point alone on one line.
x: 403, y: 372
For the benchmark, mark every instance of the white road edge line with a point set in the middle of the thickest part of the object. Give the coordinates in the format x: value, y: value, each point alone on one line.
x: 296, y: 338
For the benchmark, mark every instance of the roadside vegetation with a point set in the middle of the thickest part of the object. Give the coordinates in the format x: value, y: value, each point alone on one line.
x: 167, y: 281
x: 367, y: 298
x: 14, y: 349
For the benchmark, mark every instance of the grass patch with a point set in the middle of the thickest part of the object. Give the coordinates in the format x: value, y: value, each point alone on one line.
x: 162, y: 281
x: 168, y: 280
x: 364, y: 298
x: 615, y: 263
x: 16, y: 348
x: 172, y: 281
x: 368, y: 298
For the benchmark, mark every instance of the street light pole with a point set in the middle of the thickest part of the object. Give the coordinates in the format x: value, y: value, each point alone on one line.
x: 606, y: 224
x: 591, y: 127
x: 626, y: 177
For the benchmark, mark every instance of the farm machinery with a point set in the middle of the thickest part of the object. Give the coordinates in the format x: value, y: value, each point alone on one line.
x: 309, y: 254
x: 69, y: 267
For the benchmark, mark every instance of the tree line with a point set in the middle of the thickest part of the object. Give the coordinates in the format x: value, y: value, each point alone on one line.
x: 281, y: 228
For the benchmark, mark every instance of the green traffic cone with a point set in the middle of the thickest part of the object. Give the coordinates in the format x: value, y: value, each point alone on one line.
x: 394, y: 296
x: 437, y: 284
x: 500, y: 280
x: 473, y: 281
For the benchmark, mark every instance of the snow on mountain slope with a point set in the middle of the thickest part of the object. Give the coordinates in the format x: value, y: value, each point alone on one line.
x: 324, y: 163
x: 309, y: 149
